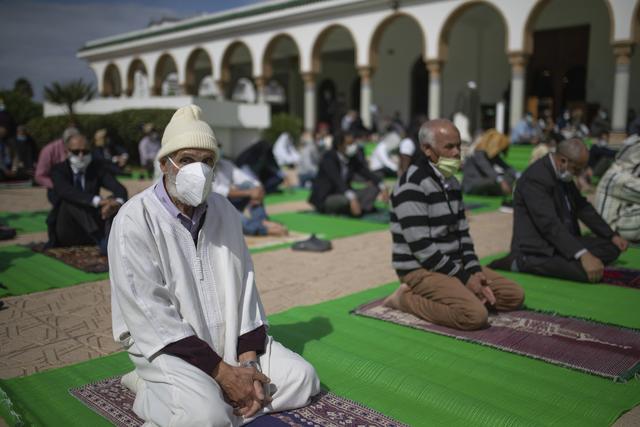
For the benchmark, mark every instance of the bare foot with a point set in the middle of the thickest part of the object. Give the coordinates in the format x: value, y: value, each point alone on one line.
x: 396, y: 299
x: 275, y: 229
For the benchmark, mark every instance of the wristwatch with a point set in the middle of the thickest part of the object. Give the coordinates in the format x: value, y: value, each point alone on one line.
x: 251, y: 364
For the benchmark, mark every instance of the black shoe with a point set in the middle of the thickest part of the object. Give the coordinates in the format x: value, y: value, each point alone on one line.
x: 312, y: 244
x: 506, y: 207
x: 504, y: 263
x: 7, y: 233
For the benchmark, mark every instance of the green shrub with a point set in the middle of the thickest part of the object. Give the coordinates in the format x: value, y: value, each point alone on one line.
x: 124, y: 127
x: 283, y: 123
x: 20, y: 107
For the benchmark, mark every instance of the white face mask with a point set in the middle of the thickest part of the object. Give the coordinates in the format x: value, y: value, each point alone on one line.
x: 351, y: 150
x: 79, y: 164
x: 565, y: 176
x: 192, y: 183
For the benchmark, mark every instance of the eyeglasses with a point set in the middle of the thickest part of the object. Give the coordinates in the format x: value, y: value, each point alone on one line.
x: 78, y: 152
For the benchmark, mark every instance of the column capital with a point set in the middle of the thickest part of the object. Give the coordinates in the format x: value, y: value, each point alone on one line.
x: 260, y: 81
x: 434, y: 66
x: 365, y: 73
x: 309, y: 78
x: 622, y: 51
x: 518, y: 60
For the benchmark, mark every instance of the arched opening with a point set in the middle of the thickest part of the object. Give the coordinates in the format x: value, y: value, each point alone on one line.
x: 282, y: 63
x: 476, y: 72
x: 111, y: 83
x: 572, y: 64
x: 137, y: 80
x: 237, y: 64
x: 166, y: 77
x: 397, y: 44
x: 334, y: 62
x: 199, y: 80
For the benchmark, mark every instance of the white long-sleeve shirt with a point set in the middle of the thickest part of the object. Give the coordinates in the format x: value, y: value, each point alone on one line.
x: 284, y: 151
x: 165, y: 288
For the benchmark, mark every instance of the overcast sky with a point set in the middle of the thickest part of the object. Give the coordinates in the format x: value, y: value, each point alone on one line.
x: 39, y: 38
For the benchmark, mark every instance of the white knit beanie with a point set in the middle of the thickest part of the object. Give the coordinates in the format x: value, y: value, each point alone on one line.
x: 186, y: 129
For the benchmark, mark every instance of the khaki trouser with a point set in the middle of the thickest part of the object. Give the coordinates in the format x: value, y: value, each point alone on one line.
x: 444, y: 300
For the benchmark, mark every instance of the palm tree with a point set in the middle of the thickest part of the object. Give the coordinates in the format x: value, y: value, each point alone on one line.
x: 69, y: 93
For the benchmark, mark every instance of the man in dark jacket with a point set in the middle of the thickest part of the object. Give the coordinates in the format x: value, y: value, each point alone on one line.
x: 81, y: 216
x: 331, y: 191
x: 547, y: 207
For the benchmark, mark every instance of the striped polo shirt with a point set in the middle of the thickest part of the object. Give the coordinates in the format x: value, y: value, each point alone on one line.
x: 429, y: 226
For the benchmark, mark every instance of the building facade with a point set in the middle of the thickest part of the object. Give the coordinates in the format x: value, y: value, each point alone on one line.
x: 319, y: 58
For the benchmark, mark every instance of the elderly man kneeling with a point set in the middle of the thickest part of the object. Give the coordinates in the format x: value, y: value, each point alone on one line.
x: 184, y: 299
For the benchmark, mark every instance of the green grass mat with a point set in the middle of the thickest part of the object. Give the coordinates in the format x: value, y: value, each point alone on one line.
x: 25, y: 222
x: 23, y: 271
x: 519, y: 155
x: 491, y: 203
x: 296, y: 195
x: 326, y: 226
x: 413, y: 376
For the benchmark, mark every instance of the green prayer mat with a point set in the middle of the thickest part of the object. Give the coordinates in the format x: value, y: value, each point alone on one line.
x: 519, y: 156
x: 326, y: 226
x: 25, y: 222
x: 490, y: 203
x: 23, y: 271
x: 296, y: 195
x: 415, y: 377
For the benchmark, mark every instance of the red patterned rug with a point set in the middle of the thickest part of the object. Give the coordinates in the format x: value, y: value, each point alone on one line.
x: 599, y: 349
x: 113, y: 401
x: 620, y: 276
x: 85, y: 258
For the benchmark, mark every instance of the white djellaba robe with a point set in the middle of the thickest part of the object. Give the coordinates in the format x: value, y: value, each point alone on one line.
x: 165, y: 288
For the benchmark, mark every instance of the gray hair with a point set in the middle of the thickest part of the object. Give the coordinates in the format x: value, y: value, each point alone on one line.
x: 572, y: 149
x: 426, y: 135
x: 68, y: 134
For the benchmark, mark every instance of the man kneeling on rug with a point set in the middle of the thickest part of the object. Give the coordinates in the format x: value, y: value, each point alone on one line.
x: 184, y: 300
x: 433, y: 254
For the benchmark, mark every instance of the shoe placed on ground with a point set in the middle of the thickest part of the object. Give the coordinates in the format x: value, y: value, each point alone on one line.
x: 503, y: 263
x: 7, y: 233
x: 506, y: 207
x: 312, y: 244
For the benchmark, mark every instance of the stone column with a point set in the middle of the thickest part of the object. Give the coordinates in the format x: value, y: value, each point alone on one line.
x: 435, y: 88
x: 309, y: 101
x: 365, y: 95
x: 260, y: 83
x: 222, y: 89
x: 518, y: 61
x: 622, y: 52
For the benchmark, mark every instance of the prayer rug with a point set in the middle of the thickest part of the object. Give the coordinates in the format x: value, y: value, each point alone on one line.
x: 599, y: 349
x: 85, y: 258
x: 620, y: 276
x: 25, y: 222
x: 113, y: 401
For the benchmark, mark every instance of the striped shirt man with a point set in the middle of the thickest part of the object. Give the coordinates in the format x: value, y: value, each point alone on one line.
x: 429, y: 226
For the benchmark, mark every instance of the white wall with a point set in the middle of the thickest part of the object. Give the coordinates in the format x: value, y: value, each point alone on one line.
x: 476, y: 52
x: 399, y: 47
x: 601, y: 63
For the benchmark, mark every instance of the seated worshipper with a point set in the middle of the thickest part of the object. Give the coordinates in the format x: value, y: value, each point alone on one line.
x: 433, y: 254
x: 80, y: 215
x: 114, y: 156
x: 258, y: 160
x: 618, y: 194
x: 331, y: 191
x: 485, y: 172
x: 310, y: 154
x: 381, y: 162
x: 526, y: 131
x: 546, y: 235
x: 26, y: 151
x: 51, y: 154
x: 148, y: 147
x: 184, y: 300
x: 245, y: 192
x: 285, y: 152
x: 7, y: 155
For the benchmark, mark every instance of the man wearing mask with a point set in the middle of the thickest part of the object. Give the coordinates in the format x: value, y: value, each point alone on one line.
x: 331, y: 189
x: 433, y: 254
x: 80, y: 216
x: 546, y: 235
x: 184, y: 300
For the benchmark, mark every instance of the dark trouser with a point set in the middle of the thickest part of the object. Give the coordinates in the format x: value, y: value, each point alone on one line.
x: 253, y: 225
x: 385, y: 172
x: 485, y: 186
x: 340, y: 204
x: 81, y: 225
x: 569, y: 269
